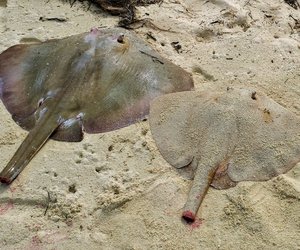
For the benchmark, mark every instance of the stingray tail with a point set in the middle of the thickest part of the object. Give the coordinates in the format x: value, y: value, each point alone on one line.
x: 34, y: 141
x: 198, y: 191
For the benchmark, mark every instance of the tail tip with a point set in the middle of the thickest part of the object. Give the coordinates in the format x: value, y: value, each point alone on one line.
x: 188, y: 216
x: 5, y: 180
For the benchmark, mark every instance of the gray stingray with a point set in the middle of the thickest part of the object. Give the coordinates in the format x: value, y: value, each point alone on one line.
x: 224, y: 137
x: 95, y: 82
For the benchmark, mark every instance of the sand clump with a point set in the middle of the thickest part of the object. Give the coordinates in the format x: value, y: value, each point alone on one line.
x: 114, y: 190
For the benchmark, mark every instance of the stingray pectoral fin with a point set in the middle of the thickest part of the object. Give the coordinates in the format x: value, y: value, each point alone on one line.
x: 18, y: 72
x: 27, y: 122
x: 29, y: 147
x: 203, y: 178
x: 70, y: 131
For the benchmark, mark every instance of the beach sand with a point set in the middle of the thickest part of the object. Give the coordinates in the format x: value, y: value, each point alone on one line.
x: 114, y: 190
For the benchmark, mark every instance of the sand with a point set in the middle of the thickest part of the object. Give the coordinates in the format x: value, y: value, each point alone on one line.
x: 114, y: 190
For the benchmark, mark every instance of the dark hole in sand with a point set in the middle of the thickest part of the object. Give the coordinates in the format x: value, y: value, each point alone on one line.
x: 72, y: 188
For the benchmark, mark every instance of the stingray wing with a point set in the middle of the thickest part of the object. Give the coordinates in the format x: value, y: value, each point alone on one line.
x: 106, y: 77
x: 193, y: 126
x: 169, y: 123
x: 130, y: 74
x: 266, y: 135
x: 14, y: 93
x: 31, y: 73
x: 269, y: 138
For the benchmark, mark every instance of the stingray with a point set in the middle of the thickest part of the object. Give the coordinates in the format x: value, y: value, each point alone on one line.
x: 95, y: 82
x: 223, y: 138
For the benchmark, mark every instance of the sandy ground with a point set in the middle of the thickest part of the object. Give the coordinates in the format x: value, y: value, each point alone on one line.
x: 114, y: 190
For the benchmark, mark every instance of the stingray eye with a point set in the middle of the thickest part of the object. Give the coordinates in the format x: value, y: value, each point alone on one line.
x: 40, y: 102
x: 121, y: 39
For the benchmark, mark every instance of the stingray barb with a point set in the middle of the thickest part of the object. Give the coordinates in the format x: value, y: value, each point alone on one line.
x: 93, y: 82
x: 225, y: 137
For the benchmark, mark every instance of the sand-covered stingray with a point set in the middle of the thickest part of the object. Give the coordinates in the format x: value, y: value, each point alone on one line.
x: 225, y: 137
x: 95, y: 82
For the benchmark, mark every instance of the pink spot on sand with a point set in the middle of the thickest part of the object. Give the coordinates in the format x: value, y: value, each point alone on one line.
x: 17, y: 185
x: 49, y: 238
x: 6, y: 207
x: 35, y: 243
x: 54, y: 237
x: 196, y: 224
x: 12, y: 189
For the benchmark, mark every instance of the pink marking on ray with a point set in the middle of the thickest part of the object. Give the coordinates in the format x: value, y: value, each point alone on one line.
x: 95, y: 30
x: 92, y: 35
